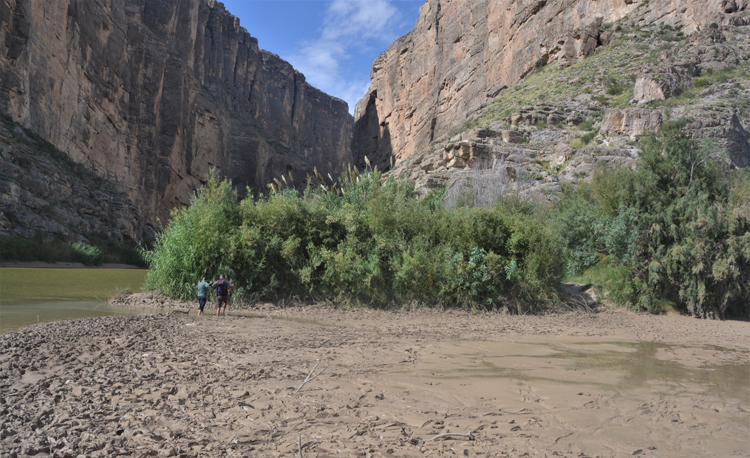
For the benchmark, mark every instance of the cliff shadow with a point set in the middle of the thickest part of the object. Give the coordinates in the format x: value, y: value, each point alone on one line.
x: 371, y: 139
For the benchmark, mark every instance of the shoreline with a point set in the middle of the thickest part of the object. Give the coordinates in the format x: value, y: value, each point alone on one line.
x: 206, y: 386
x: 65, y: 265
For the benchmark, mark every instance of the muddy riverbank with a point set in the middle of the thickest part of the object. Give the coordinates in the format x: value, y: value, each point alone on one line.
x: 611, y: 383
x: 64, y: 265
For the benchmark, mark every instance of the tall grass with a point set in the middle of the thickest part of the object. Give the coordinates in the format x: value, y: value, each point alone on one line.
x: 364, y: 240
x: 200, y: 241
x: 482, y: 186
x: 674, y: 232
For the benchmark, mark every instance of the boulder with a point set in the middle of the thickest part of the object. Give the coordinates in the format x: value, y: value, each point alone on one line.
x: 513, y: 136
x: 494, y: 91
x: 561, y: 155
x: 630, y: 121
x: 455, y: 163
x: 663, y: 83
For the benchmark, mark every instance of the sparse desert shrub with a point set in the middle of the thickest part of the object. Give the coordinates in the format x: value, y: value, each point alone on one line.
x: 587, y: 125
x: 603, y: 99
x: 584, y: 140
x: 613, y: 86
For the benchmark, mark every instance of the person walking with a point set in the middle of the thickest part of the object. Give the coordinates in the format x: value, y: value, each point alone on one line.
x: 222, y: 294
x: 202, y: 288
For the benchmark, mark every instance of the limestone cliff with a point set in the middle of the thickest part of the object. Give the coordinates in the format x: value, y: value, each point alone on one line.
x: 561, y: 123
x: 151, y: 94
x: 463, y: 53
x: 43, y: 192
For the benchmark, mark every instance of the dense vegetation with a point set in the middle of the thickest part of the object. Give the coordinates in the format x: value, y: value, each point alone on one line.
x: 99, y: 250
x: 365, y: 240
x: 673, y: 232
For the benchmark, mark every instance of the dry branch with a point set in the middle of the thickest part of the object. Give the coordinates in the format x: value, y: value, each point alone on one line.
x: 310, y: 377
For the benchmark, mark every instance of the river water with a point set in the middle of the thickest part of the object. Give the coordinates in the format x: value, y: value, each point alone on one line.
x: 29, y: 295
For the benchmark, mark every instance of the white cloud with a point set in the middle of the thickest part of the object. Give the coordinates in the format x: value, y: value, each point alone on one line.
x: 349, y: 27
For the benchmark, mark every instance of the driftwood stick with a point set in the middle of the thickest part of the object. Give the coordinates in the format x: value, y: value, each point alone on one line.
x: 451, y: 435
x: 299, y: 442
x: 310, y: 377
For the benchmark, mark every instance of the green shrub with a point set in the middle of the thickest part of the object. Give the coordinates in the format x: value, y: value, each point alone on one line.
x: 617, y: 236
x: 88, y: 254
x: 100, y: 249
x: 586, y: 138
x: 613, y: 86
x: 700, y: 83
x: 200, y: 241
x: 678, y: 227
x: 18, y: 249
x: 603, y: 99
x: 587, y: 125
x: 363, y: 240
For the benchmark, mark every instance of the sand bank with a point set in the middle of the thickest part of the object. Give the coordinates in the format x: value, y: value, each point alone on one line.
x: 418, y: 383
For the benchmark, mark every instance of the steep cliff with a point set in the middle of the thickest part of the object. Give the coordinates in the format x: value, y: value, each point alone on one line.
x: 43, y: 192
x: 463, y: 53
x: 152, y: 94
x: 561, y: 123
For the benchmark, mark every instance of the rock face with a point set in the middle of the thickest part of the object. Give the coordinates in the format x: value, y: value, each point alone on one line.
x: 630, y: 121
x: 43, y: 192
x: 463, y: 52
x: 663, y: 84
x: 486, y: 163
x: 556, y: 127
x: 153, y: 94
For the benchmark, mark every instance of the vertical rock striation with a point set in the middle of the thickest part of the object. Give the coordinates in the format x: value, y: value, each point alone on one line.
x: 152, y: 94
x: 463, y: 52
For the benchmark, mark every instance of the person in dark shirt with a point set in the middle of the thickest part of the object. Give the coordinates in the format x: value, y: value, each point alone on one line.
x: 222, y: 293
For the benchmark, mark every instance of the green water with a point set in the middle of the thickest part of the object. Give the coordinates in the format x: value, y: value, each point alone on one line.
x: 29, y: 296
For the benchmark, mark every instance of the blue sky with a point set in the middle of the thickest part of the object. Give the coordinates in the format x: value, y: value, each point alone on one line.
x: 332, y: 42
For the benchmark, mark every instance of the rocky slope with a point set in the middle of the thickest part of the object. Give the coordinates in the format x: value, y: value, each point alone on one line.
x: 562, y: 122
x: 462, y: 54
x: 153, y: 94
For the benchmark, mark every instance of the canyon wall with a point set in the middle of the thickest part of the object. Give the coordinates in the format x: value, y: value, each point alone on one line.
x: 152, y: 94
x: 463, y: 53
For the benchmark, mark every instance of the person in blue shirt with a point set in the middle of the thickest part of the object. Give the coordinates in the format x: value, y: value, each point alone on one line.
x: 202, y: 288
